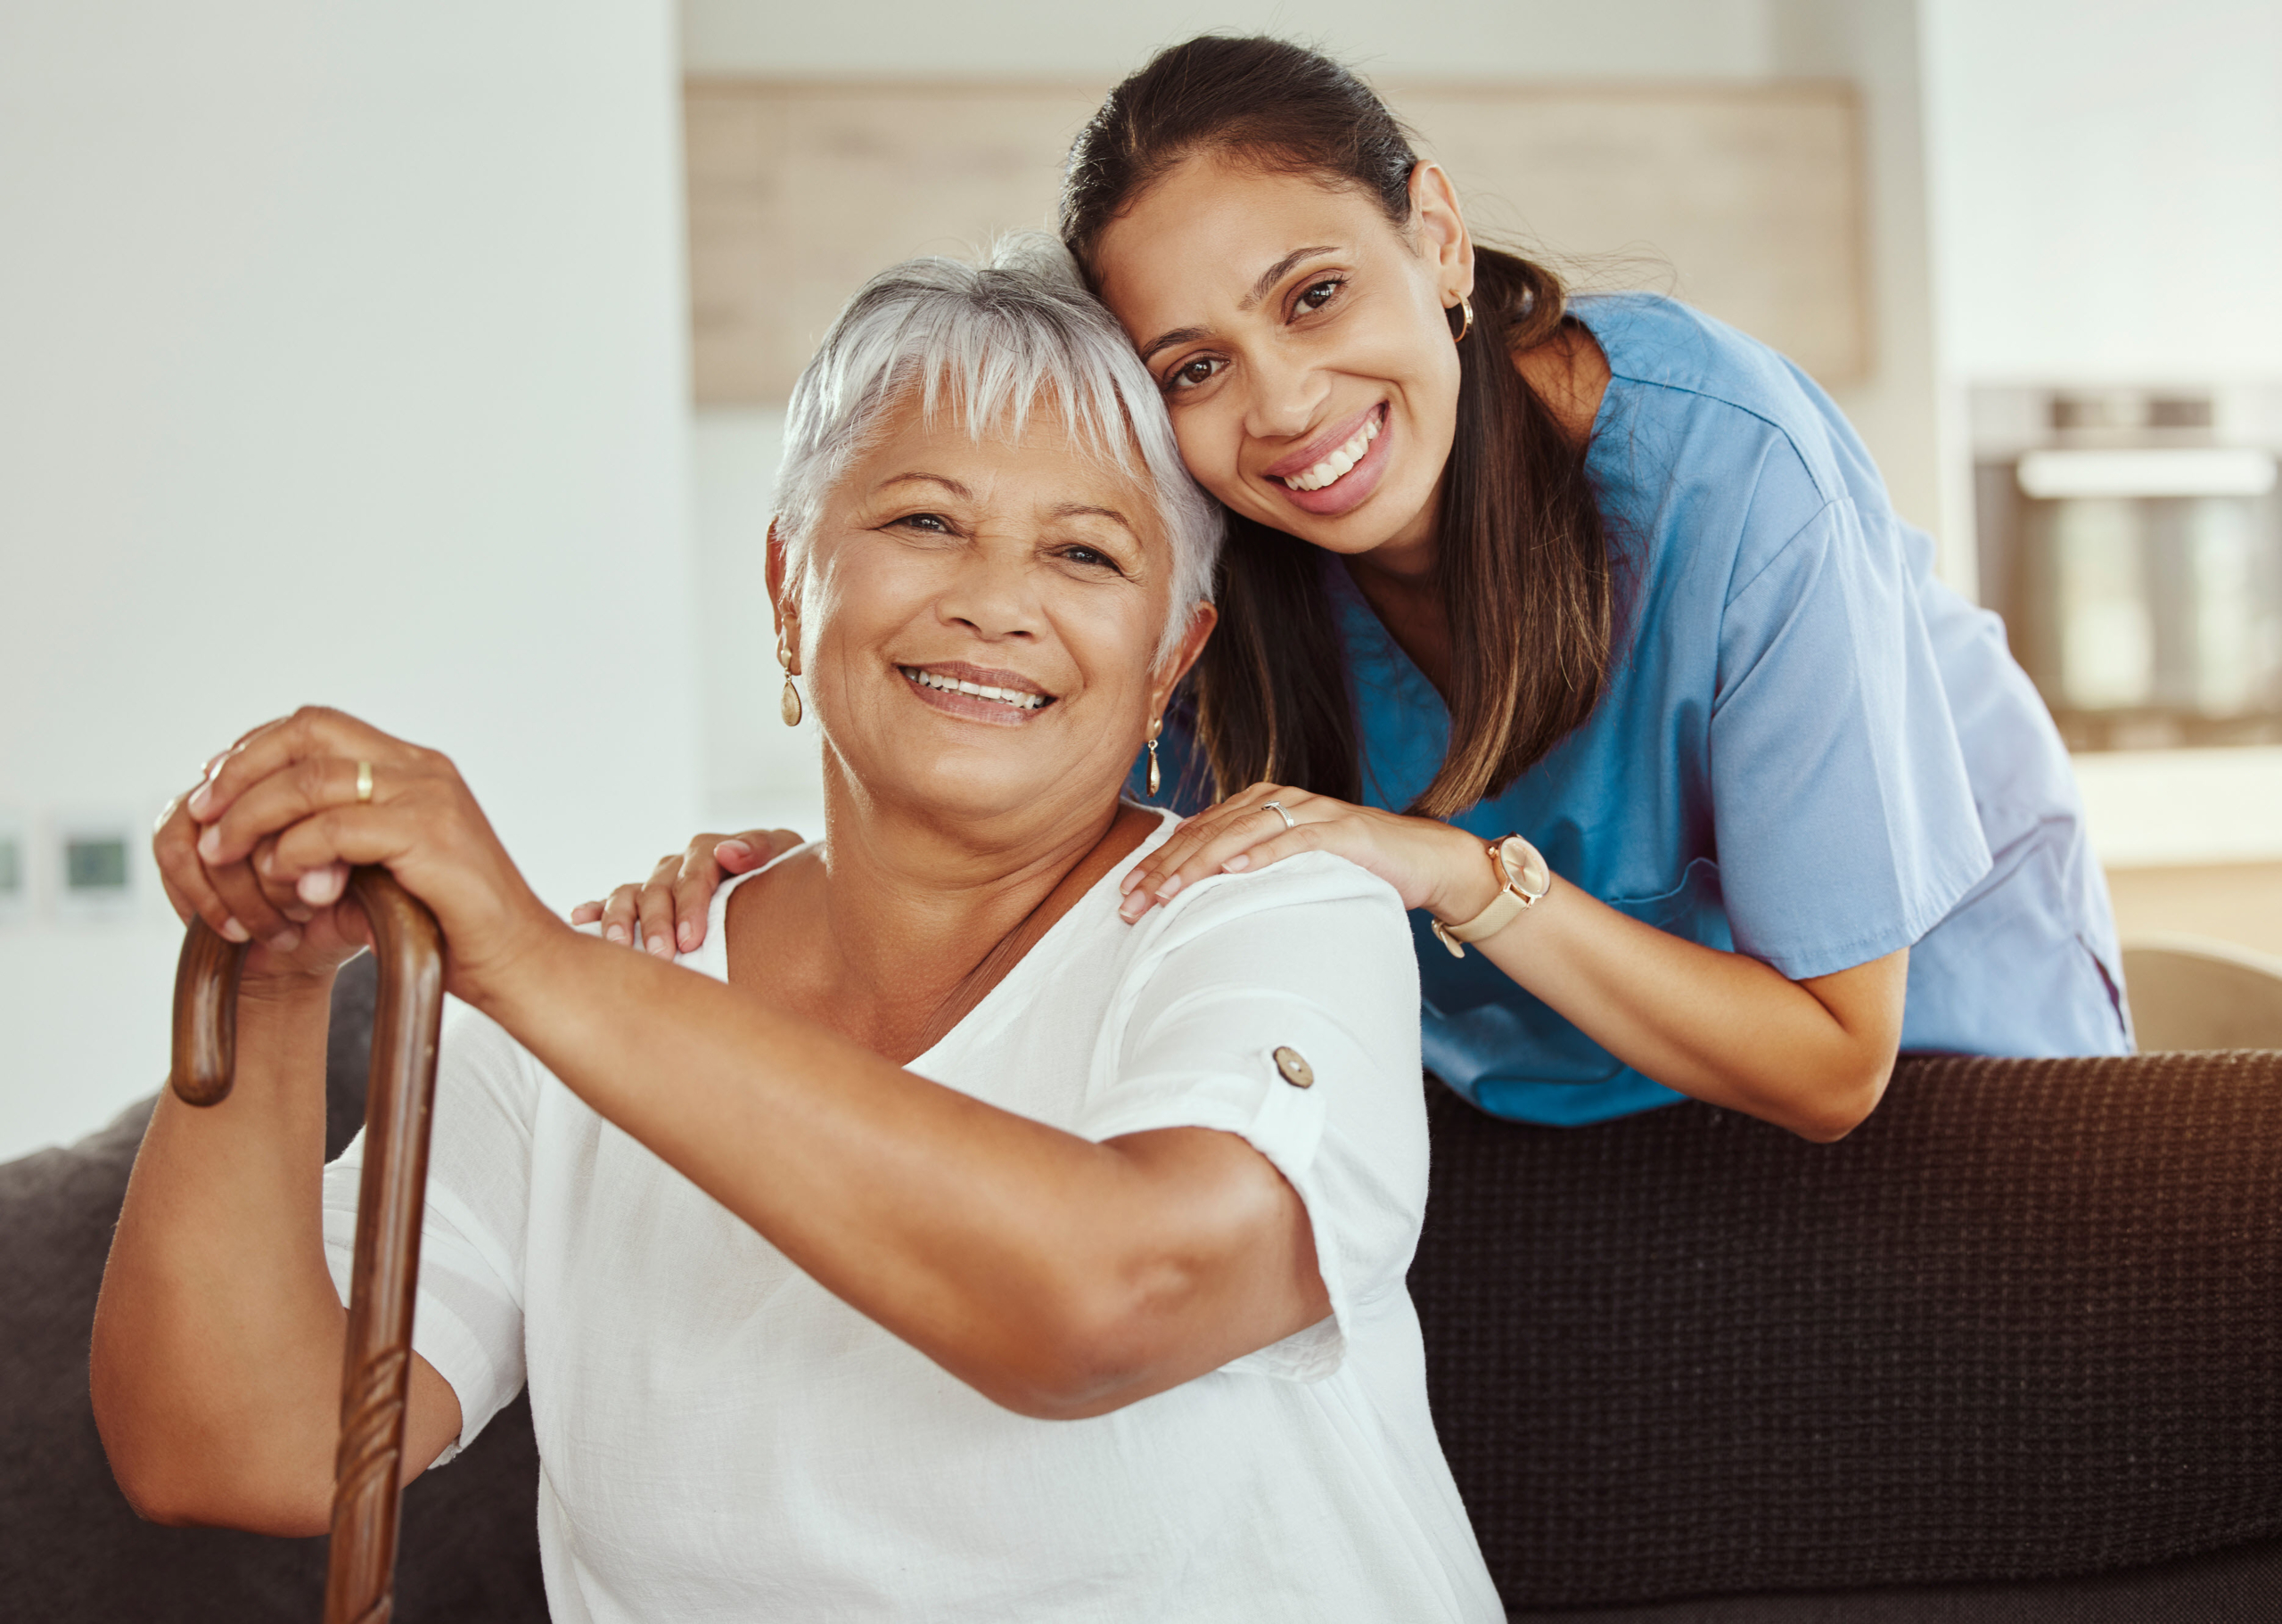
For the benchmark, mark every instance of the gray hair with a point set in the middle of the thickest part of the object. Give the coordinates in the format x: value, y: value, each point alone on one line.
x: 997, y: 341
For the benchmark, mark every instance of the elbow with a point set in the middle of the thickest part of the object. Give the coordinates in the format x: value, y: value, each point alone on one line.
x: 139, y: 1469
x: 156, y: 1496
x: 177, y: 1481
x: 181, y: 1495
x: 1088, y: 1357
x: 1843, y: 1105
x: 154, y: 1481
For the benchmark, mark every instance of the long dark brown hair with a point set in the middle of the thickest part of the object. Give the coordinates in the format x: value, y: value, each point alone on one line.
x: 1523, y: 557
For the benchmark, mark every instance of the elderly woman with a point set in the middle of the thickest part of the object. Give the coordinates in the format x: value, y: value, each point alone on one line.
x: 942, y: 1248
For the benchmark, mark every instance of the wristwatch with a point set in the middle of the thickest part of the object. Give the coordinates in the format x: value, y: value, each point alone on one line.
x: 1523, y: 878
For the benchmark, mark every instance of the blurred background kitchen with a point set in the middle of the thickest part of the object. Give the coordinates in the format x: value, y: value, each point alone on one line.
x: 429, y: 360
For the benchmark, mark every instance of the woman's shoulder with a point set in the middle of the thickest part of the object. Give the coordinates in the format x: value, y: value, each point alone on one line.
x: 1655, y: 339
x: 1736, y: 395
x: 1312, y: 931
x: 1314, y: 900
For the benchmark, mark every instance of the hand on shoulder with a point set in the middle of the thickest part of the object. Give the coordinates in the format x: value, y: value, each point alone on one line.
x: 673, y: 905
x: 1430, y: 864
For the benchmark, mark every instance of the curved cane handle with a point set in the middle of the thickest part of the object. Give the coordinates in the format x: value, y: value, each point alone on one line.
x: 206, y: 1014
x: 376, y: 1368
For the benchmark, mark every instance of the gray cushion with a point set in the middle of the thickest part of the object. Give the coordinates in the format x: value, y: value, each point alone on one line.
x: 70, y: 1548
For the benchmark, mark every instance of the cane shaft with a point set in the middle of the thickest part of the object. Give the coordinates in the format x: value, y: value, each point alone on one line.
x: 377, y: 1364
x: 376, y: 1367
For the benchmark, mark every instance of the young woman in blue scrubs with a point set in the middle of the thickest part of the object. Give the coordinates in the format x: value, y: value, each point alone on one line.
x: 1603, y: 573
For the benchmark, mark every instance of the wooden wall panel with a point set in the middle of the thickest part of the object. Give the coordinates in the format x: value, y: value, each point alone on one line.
x: 1743, y: 201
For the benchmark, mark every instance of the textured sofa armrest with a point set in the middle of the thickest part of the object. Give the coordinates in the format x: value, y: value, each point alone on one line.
x: 2024, y: 1323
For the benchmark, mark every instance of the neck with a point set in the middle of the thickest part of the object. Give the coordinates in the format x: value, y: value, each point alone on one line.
x: 1405, y: 560
x: 1569, y: 374
x: 904, y: 922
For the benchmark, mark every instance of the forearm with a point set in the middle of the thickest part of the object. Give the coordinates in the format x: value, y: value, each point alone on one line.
x: 1721, y: 1027
x: 1054, y: 1275
x: 217, y: 1340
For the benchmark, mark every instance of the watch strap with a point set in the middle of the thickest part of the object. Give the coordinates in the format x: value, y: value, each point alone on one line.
x: 1504, y: 908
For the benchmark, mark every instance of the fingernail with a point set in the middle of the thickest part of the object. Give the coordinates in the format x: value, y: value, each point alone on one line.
x: 232, y: 931
x: 317, y: 887
x: 1132, y: 909
x: 742, y: 848
x: 285, y: 941
x: 688, y: 936
x: 1131, y: 880
x: 657, y: 945
x: 1169, y: 887
x: 1236, y: 865
x: 616, y: 933
x: 210, y: 844
x: 201, y: 798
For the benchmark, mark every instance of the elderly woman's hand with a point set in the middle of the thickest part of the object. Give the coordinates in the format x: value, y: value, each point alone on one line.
x: 672, y: 907
x: 288, y: 810
x: 1431, y: 863
x: 292, y: 942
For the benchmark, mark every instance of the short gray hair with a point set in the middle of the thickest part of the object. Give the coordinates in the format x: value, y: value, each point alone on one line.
x: 995, y: 341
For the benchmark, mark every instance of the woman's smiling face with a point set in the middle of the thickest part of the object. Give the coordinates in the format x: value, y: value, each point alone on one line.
x: 1301, y: 341
x: 978, y: 621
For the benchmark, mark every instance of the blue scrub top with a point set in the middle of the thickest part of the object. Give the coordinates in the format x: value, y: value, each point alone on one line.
x: 1811, y: 750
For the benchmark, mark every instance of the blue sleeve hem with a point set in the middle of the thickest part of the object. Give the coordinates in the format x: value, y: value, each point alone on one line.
x: 1829, y: 958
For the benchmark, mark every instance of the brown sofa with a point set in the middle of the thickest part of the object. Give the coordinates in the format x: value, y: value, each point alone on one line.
x: 2012, y: 1350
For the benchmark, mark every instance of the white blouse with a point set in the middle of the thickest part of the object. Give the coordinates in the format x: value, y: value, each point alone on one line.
x: 721, y: 1438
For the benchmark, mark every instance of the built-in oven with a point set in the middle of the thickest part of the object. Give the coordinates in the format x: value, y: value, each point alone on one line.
x: 2132, y: 540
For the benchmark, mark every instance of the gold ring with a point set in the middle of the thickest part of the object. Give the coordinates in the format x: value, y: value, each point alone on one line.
x: 363, y: 782
x: 1276, y: 807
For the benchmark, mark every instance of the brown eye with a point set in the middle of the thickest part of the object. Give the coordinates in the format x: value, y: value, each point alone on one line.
x: 1188, y: 374
x: 1318, y: 295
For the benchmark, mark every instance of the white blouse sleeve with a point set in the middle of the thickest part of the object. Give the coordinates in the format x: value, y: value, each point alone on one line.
x: 469, y: 1319
x: 1306, y: 962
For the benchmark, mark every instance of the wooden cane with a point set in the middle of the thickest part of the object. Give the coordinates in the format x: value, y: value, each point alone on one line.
x: 376, y: 1369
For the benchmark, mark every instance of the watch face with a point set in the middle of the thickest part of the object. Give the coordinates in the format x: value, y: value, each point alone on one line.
x: 1524, y: 866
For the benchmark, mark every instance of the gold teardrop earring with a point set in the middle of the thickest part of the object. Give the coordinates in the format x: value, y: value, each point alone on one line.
x: 788, y: 705
x: 1156, y: 728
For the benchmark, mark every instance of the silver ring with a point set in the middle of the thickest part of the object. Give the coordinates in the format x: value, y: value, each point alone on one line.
x: 1276, y: 807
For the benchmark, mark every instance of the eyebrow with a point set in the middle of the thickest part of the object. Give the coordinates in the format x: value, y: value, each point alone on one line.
x: 1067, y: 510
x: 1276, y: 273
x: 1079, y: 510
x: 1261, y: 289
x: 951, y: 485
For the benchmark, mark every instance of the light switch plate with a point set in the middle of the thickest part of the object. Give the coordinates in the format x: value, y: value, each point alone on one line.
x: 95, y: 865
x: 15, y: 868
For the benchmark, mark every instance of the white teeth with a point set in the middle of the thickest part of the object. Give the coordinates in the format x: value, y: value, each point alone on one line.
x: 1336, y: 465
x: 1015, y: 697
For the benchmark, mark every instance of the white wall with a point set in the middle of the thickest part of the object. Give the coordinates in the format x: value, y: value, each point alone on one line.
x: 2107, y: 184
x: 1496, y: 39
x: 345, y: 362
x: 1898, y: 406
x: 759, y: 774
